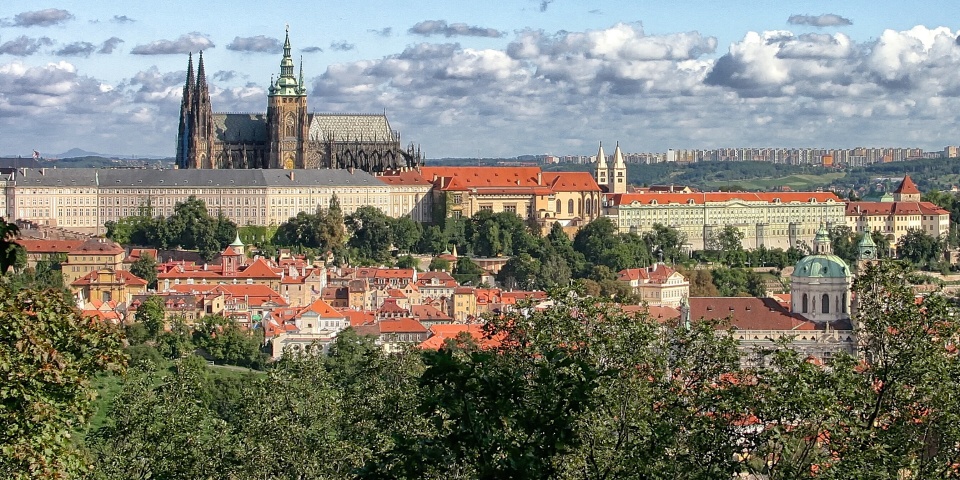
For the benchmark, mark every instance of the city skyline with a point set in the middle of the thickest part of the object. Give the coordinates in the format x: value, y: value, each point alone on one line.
x: 500, y: 79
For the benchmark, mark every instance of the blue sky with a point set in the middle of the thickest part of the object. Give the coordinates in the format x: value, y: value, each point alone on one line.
x: 496, y: 78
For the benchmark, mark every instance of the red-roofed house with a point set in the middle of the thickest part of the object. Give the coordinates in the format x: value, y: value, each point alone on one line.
x: 315, y: 327
x: 527, y: 191
x: 906, y: 212
x: 42, y: 249
x: 439, y: 334
x: 91, y: 255
x: 107, y: 284
x: 658, y: 285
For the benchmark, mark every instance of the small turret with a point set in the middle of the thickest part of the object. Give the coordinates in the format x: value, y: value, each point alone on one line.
x: 821, y: 242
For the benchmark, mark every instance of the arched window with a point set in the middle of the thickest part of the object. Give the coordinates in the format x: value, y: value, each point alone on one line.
x: 570, y: 206
x: 804, y: 308
x: 559, y: 207
x: 825, y: 303
x: 589, y: 207
x: 843, y: 304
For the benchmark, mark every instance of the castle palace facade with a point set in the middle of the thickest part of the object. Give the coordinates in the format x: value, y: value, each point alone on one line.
x: 286, y: 136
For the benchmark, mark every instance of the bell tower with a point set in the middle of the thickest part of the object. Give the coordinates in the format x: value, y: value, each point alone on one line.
x: 602, y: 167
x: 287, y: 122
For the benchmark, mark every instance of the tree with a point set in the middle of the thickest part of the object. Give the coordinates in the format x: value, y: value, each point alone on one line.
x: 8, y: 247
x: 519, y: 272
x: 151, y: 314
x: 920, y: 248
x: 467, y: 271
x: 439, y: 264
x: 844, y: 243
x: 668, y: 242
x: 371, y: 234
x: 146, y: 268
x: 48, y: 356
x: 432, y: 241
x: 595, y: 238
x: 226, y: 342
x: 406, y: 233
x: 729, y: 242
x: 407, y: 261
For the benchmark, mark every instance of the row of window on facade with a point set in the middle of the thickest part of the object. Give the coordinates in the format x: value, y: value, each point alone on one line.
x: 841, y: 306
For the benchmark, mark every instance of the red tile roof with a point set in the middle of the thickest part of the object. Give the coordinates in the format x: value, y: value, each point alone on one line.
x: 98, y: 246
x: 750, y: 313
x: 259, y: 269
x: 401, y: 325
x: 408, y: 177
x: 440, y: 333
x: 657, y: 274
x: 894, y: 208
x: 119, y: 276
x: 698, y: 198
x: 571, y: 181
x: 49, y: 246
x: 322, y: 309
x: 907, y: 186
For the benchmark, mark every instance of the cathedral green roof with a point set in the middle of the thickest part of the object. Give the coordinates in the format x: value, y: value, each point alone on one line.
x: 821, y: 266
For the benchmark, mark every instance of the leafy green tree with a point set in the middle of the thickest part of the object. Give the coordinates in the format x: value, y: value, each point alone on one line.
x: 440, y: 264
x: 153, y: 418
x: 146, y: 268
x: 226, y: 342
x: 407, y: 261
x: 554, y: 272
x: 48, y: 357
x: 730, y: 281
x: 666, y: 242
x: 432, y: 241
x: 519, y: 272
x: 151, y: 314
x: 920, y: 248
x: 406, y: 233
x: 844, y: 243
x: 467, y: 271
x: 371, y: 234
x: 8, y: 247
x: 596, y: 238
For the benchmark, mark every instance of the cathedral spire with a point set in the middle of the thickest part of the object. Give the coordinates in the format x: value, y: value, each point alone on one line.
x: 188, y: 86
x: 201, y: 75
x: 287, y: 84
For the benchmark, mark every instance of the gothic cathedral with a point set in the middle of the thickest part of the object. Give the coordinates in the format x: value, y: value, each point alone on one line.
x: 287, y: 136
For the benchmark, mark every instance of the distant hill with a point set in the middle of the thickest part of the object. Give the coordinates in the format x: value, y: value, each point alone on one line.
x: 78, y: 153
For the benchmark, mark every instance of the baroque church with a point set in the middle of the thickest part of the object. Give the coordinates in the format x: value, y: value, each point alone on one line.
x: 286, y: 136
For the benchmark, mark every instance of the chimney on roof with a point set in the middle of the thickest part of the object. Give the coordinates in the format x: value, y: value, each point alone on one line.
x: 292, y: 176
x: 539, y: 178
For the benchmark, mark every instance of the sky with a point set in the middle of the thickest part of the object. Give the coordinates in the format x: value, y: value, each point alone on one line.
x: 495, y: 78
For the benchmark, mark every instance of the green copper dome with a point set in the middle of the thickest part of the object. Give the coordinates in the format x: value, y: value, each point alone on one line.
x: 821, y: 266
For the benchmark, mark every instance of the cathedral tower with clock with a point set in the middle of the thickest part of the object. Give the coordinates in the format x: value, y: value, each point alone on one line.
x: 287, y: 136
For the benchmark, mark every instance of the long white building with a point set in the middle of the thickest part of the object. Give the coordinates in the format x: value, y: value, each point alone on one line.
x: 771, y: 219
x: 83, y: 199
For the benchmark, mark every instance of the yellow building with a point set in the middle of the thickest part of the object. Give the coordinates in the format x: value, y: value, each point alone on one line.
x: 571, y: 198
x: 106, y: 284
x: 897, y: 217
x: 464, y: 304
x: 92, y: 255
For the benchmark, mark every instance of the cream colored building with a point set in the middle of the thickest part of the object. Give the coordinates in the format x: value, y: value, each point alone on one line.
x: 83, y: 199
x: 658, y: 286
x: 571, y: 198
x: 897, y: 217
x: 771, y: 219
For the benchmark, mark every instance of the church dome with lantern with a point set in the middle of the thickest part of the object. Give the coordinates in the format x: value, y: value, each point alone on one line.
x: 820, y: 283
